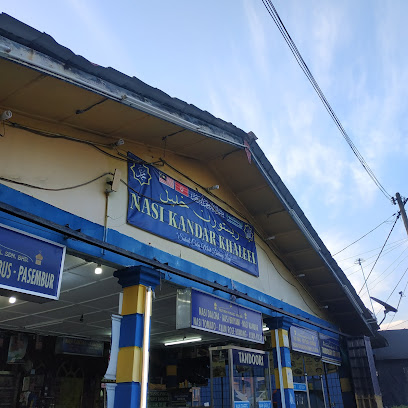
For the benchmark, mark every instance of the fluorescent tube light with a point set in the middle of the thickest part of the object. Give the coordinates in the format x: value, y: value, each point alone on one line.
x: 145, y: 350
x: 182, y: 341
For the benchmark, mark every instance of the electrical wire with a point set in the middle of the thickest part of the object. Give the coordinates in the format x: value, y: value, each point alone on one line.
x: 122, y: 157
x: 369, y: 232
x: 399, y: 302
x: 277, y: 20
x: 54, y: 135
x: 386, y: 252
x: 373, y: 285
x: 395, y: 287
x: 56, y: 189
x: 394, y: 243
x: 396, y: 219
x: 399, y: 324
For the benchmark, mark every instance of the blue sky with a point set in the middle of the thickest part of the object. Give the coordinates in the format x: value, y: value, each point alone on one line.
x: 229, y: 58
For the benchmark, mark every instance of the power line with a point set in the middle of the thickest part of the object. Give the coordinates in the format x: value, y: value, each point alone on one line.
x: 401, y: 296
x: 55, y: 189
x: 376, y: 282
x: 395, y: 244
x: 396, y: 219
x: 359, y: 261
x: 399, y: 324
x: 395, y: 287
x: 369, y: 232
x: 275, y: 17
x: 385, y: 252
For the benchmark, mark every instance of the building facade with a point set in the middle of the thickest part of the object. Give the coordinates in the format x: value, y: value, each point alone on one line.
x: 138, y: 229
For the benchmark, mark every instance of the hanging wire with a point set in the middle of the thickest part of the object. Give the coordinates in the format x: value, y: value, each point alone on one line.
x: 275, y: 17
x: 402, y: 294
x: 395, y: 287
x: 360, y: 261
x: 394, y: 244
x: 399, y: 324
x: 376, y: 282
x: 396, y: 219
x: 369, y: 232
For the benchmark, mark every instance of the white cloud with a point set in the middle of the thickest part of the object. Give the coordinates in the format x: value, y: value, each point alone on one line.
x: 395, y: 325
x: 260, y: 47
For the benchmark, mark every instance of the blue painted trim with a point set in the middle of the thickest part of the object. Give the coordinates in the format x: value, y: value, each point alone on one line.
x: 131, y: 331
x: 127, y: 395
x: 286, y: 360
x: 285, y: 357
x: 290, y: 398
x: 47, y: 211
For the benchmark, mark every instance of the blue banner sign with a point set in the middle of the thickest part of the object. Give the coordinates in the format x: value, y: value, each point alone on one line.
x: 30, y: 264
x: 216, y: 315
x: 299, y: 387
x: 304, y: 341
x: 165, y: 207
x: 250, y: 358
x: 264, y: 404
x: 82, y: 347
x: 330, y: 349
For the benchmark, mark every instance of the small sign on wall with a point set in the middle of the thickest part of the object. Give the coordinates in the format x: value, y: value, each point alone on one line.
x: 305, y: 341
x: 30, y: 264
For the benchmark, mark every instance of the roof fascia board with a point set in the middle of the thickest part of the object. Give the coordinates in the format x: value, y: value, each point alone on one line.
x: 18, y: 53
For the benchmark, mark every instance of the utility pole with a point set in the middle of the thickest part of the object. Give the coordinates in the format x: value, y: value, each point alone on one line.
x: 402, y: 210
x: 359, y: 261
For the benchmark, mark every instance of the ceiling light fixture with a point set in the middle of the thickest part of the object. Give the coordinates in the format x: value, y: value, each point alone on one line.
x: 215, y: 187
x: 12, y: 299
x: 265, y: 328
x: 98, y: 269
x: 182, y: 341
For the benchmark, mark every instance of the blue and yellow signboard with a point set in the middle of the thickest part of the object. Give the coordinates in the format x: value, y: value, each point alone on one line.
x: 29, y: 264
x: 163, y: 206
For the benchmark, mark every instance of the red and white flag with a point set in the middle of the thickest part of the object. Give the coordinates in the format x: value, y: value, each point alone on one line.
x: 181, y: 189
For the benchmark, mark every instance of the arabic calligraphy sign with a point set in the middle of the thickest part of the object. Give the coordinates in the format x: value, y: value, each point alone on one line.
x: 165, y: 207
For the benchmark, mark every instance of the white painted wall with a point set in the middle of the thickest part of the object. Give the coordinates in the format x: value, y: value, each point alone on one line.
x: 54, y: 163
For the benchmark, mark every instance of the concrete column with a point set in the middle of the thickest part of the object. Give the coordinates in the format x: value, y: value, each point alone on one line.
x: 282, y: 362
x: 130, y: 366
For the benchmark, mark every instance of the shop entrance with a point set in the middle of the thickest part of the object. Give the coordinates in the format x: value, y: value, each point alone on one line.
x: 240, y: 378
x: 316, y: 383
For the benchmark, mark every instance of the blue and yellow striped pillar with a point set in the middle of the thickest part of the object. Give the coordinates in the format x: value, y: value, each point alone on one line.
x: 282, y: 364
x: 135, y: 282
